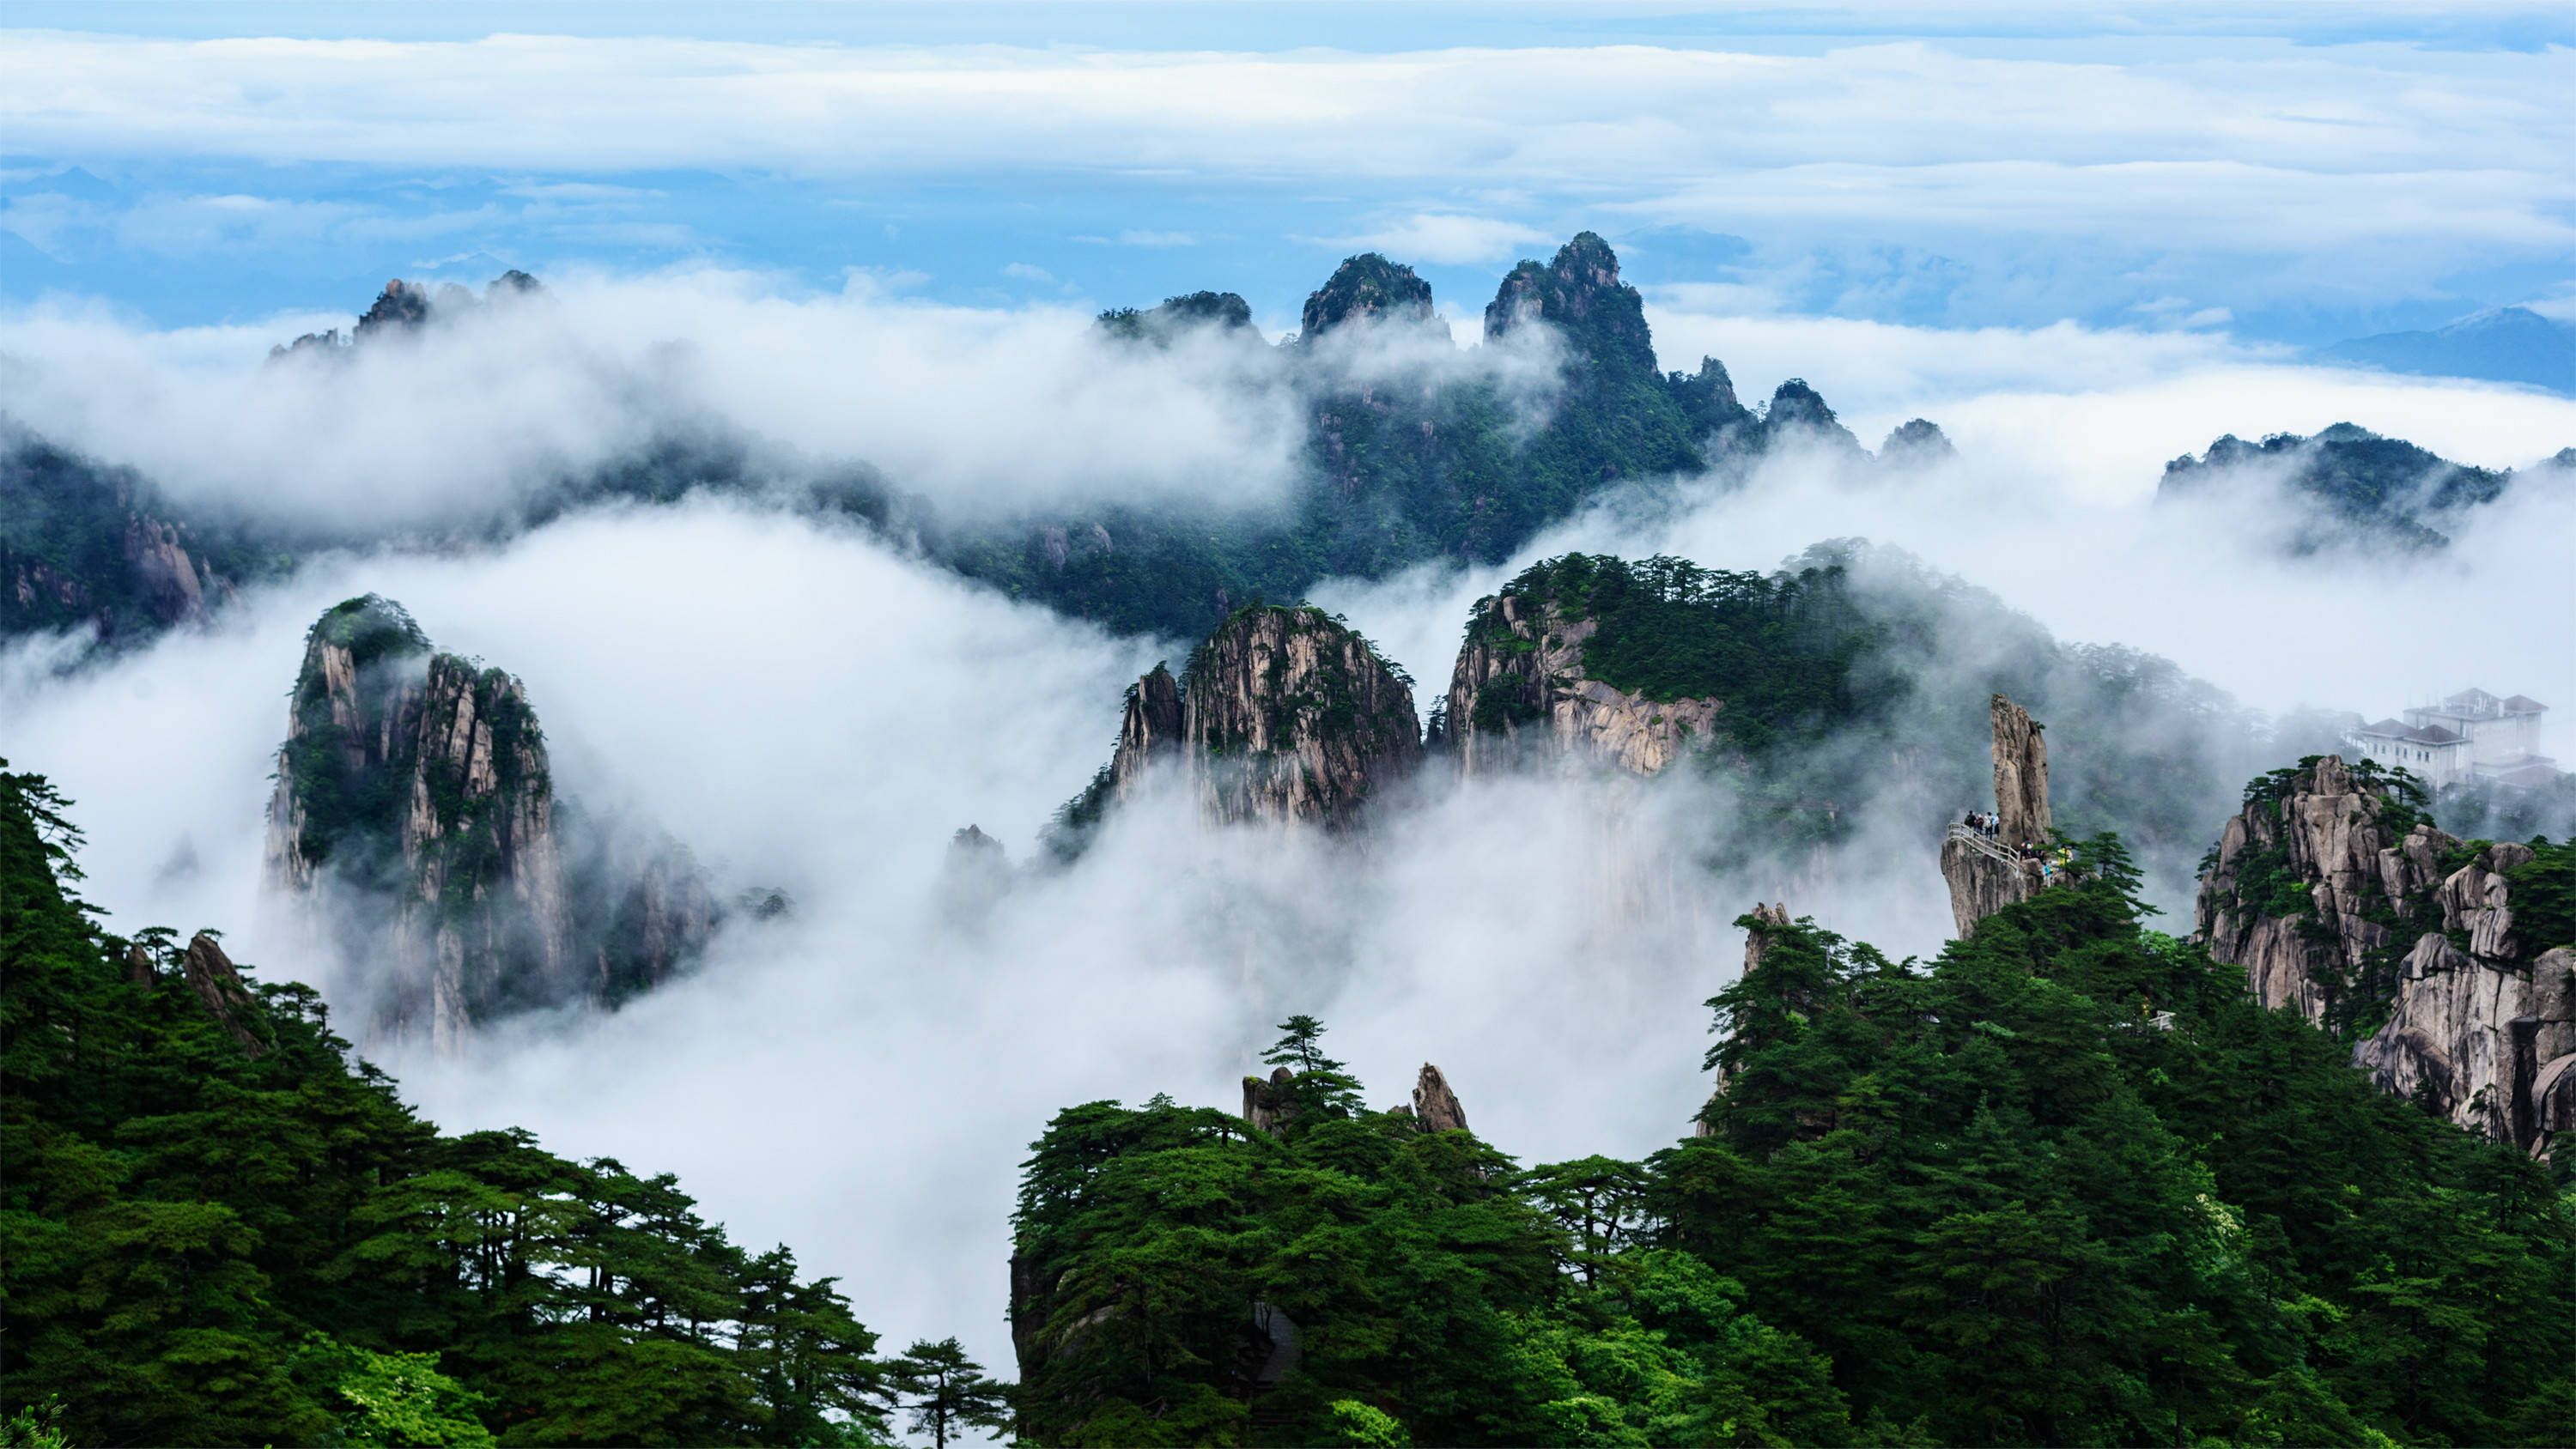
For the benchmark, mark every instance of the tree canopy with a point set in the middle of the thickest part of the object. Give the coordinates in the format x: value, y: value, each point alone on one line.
x: 219, y: 1239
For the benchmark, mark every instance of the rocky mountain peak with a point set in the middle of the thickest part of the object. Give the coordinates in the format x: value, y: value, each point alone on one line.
x: 1270, y: 1105
x: 404, y: 308
x: 1602, y: 318
x: 2341, y: 901
x: 1368, y: 289
x: 1798, y: 413
x: 2021, y: 775
x: 413, y: 827
x: 400, y: 306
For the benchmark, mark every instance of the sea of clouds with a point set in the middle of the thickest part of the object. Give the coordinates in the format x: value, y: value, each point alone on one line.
x: 812, y: 707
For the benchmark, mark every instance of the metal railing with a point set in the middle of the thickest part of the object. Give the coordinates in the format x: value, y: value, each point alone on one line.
x: 1985, y: 845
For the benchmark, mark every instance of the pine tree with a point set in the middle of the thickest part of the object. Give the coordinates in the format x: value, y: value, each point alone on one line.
x: 947, y: 1390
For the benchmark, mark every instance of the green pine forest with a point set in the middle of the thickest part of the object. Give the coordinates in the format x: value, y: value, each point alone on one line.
x: 2065, y: 1184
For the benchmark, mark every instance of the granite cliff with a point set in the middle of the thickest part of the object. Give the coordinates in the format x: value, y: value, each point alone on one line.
x: 1520, y: 690
x: 1284, y: 714
x: 1988, y: 870
x: 414, y: 828
x: 86, y: 545
x: 2342, y: 902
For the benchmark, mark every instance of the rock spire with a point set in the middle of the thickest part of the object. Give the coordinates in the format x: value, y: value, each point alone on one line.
x: 414, y: 827
x: 1434, y: 1105
x: 1989, y: 869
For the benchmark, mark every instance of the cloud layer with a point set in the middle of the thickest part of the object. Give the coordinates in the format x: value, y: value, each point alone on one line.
x: 2386, y: 165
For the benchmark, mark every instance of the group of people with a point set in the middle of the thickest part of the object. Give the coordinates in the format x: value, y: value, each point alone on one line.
x: 2051, y: 863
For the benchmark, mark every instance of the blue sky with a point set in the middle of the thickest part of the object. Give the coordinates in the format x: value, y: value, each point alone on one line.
x: 2289, y: 173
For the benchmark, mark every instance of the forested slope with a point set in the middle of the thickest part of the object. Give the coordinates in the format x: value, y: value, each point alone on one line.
x: 2065, y: 1184
x: 220, y: 1228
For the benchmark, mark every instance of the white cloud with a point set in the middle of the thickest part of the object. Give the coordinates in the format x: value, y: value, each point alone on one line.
x: 2269, y: 148
x: 1445, y: 239
x: 1026, y: 272
x: 1142, y: 240
x: 974, y: 408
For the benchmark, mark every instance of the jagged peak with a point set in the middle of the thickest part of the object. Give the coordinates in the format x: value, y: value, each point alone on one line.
x: 1579, y: 294
x: 1367, y: 288
x: 404, y: 307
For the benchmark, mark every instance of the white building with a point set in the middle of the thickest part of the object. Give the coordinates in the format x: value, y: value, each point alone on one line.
x: 2472, y: 734
x: 2435, y: 755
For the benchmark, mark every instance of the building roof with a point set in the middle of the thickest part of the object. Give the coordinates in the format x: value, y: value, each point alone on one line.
x: 2524, y: 704
x: 2471, y: 699
x: 2528, y: 777
x: 2389, y: 729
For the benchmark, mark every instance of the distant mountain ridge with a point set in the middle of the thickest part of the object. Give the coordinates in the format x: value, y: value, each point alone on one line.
x: 2502, y: 344
x: 2350, y: 485
x: 1451, y: 464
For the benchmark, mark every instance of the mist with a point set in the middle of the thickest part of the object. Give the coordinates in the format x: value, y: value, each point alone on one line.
x: 979, y: 409
x: 808, y: 707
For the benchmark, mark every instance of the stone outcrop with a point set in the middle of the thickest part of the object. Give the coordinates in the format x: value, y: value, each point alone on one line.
x: 1286, y: 715
x: 2341, y: 904
x: 1985, y: 872
x: 1153, y: 729
x: 1520, y: 689
x: 1271, y: 1104
x: 1434, y: 1105
x: 219, y: 989
x: 413, y: 828
x: 1757, y: 941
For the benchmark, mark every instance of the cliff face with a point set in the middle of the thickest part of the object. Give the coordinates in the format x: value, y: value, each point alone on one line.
x: 413, y: 826
x: 82, y: 544
x: 1989, y: 872
x: 1289, y: 715
x: 1520, y: 687
x: 1286, y: 715
x: 2341, y: 903
x: 1153, y: 729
